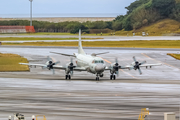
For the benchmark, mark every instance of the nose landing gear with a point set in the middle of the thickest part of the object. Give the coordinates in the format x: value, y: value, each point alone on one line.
x: 68, y: 77
x: 97, y: 77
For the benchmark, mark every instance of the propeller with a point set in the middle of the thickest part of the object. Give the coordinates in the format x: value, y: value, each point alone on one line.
x: 137, y: 65
x: 51, y: 64
x: 71, y: 66
x: 116, y: 67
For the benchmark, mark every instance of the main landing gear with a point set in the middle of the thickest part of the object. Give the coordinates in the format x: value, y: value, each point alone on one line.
x: 112, y: 77
x: 68, y: 77
x: 97, y: 77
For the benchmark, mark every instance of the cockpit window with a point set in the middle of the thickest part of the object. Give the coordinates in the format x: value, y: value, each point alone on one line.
x: 99, y: 61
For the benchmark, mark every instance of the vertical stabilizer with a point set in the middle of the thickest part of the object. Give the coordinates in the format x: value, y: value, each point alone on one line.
x: 80, y: 49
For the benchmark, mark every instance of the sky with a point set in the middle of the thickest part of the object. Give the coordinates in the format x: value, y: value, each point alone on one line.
x: 63, y: 8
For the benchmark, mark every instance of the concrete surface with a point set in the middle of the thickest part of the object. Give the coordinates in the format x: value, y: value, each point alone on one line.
x: 104, y: 38
x: 40, y: 92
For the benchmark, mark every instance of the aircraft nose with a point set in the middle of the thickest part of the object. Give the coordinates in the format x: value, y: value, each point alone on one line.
x: 99, y: 68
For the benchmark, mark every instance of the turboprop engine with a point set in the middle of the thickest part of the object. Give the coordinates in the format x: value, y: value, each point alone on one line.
x: 115, y: 67
x: 70, y: 67
x: 50, y: 64
x: 136, y: 65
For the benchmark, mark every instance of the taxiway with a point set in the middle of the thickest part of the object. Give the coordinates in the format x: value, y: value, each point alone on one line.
x: 40, y: 92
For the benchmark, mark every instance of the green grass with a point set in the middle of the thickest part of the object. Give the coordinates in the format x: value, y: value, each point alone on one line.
x: 37, y: 38
x: 134, y: 44
x: 49, y: 33
x: 10, y: 63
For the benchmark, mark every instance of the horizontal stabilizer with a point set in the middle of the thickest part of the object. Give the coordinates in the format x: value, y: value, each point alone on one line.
x: 95, y: 54
x: 63, y: 54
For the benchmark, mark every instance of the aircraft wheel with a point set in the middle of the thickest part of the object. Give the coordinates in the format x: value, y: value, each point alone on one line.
x: 114, y: 77
x: 102, y: 75
x: 66, y: 77
x: 69, y: 76
x: 111, y: 76
x: 97, y: 78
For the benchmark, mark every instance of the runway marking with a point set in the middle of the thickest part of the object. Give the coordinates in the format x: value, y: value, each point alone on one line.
x: 120, y: 69
x: 159, y: 61
x: 129, y: 74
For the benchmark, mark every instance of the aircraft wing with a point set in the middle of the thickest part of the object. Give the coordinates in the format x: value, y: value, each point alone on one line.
x: 56, y: 67
x: 63, y: 54
x: 74, y: 69
x: 95, y: 54
x: 149, y: 65
x: 144, y: 65
x: 40, y: 65
x: 80, y: 69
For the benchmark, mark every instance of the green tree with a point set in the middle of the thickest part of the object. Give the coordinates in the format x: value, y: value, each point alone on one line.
x: 164, y: 6
x: 135, y: 5
x: 117, y: 25
x: 176, y: 12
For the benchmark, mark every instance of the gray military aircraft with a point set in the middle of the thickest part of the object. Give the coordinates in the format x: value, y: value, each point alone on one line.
x: 90, y: 63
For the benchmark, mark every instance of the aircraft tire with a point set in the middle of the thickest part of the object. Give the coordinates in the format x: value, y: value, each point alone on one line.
x: 114, y: 77
x: 66, y: 77
x: 111, y: 76
x: 69, y: 77
x: 97, y: 78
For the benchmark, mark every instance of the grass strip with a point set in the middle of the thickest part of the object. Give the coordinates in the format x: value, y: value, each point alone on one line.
x: 10, y: 63
x: 37, y: 38
x: 51, y: 33
x: 176, y: 56
x: 133, y: 44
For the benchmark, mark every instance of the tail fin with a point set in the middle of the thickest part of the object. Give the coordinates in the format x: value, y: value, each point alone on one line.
x: 80, y: 49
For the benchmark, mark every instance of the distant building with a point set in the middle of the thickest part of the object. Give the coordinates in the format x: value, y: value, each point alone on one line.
x: 17, y: 29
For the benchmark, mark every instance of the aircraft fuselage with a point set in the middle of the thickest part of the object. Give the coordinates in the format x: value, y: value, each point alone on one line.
x: 93, y: 64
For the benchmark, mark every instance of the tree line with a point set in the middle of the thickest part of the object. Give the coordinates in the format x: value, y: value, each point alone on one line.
x: 72, y: 27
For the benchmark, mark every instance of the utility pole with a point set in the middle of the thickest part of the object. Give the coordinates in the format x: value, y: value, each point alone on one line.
x: 30, y: 12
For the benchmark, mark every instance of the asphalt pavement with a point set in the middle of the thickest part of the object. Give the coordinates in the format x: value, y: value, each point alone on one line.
x: 39, y: 92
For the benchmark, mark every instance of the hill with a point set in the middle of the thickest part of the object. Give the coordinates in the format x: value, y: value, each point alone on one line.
x: 143, y: 13
x: 161, y: 27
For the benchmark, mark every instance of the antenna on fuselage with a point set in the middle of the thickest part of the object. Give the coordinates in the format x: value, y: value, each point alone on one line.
x: 80, y: 49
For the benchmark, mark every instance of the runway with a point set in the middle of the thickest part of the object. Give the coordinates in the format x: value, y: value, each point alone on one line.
x: 40, y: 92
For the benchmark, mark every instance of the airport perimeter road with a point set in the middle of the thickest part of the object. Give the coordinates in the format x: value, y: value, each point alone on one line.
x: 40, y: 92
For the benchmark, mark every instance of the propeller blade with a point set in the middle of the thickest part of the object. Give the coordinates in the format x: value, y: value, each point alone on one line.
x: 134, y: 58
x: 71, y: 72
x: 140, y: 72
x: 143, y: 62
x: 117, y: 73
x: 57, y: 62
x: 48, y: 58
x: 71, y: 60
x: 53, y: 71
x: 116, y: 60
